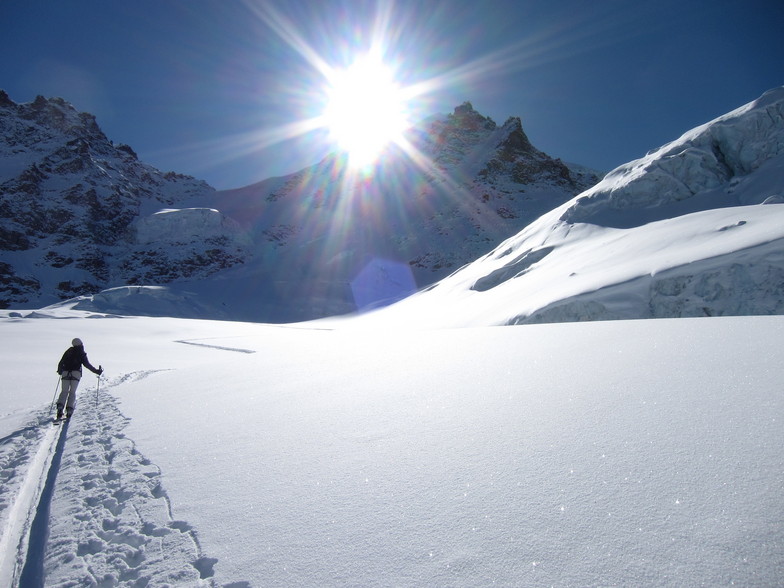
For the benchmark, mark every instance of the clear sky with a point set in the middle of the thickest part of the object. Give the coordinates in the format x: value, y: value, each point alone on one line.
x: 219, y: 88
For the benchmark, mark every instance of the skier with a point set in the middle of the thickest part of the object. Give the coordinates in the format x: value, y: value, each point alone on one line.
x: 70, y: 370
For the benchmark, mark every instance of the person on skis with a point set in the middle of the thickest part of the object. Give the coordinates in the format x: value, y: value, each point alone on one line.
x: 70, y: 370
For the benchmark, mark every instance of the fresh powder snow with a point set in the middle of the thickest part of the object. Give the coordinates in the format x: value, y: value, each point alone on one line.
x: 235, y: 454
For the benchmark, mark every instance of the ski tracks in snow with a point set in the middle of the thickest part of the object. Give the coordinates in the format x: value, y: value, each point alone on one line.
x: 80, y: 506
x: 24, y: 457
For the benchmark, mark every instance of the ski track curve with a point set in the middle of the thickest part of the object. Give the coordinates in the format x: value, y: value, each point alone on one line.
x: 81, y: 506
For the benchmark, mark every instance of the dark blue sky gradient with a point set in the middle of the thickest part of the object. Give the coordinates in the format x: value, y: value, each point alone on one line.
x: 201, y: 86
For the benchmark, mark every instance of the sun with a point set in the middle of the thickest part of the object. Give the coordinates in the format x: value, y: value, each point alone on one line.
x: 365, y: 109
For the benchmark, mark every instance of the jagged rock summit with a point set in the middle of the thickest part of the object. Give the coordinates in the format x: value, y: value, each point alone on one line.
x: 80, y: 215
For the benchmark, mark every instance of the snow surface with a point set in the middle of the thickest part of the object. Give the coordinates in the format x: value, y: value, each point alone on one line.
x: 553, y: 272
x: 234, y: 454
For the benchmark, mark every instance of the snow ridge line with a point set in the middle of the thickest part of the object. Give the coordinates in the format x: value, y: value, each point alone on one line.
x: 19, y: 517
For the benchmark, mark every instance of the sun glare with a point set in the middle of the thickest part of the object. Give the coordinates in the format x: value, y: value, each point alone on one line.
x: 365, y: 110
x: 396, y: 78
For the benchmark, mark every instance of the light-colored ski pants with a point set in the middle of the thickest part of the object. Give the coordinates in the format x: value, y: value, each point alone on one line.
x: 67, y: 398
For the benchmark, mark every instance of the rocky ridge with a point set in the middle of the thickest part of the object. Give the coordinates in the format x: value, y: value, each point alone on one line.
x: 463, y: 186
x: 69, y: 201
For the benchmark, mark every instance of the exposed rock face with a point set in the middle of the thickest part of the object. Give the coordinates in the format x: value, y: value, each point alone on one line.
x: 516, y: 157
x: 68, y: 200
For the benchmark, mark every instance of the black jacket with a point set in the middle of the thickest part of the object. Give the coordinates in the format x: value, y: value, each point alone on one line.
x: 73, y: 359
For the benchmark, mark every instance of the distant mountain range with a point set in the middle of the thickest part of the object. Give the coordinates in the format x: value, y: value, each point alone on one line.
x: 80, y: 215
x: 478, y: 227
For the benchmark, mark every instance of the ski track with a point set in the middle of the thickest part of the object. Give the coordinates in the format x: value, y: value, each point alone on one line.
x: 222, y: 348
x: 80, y: 506
x: 24, y: 458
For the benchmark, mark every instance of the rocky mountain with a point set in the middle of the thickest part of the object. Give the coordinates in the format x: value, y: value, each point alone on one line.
x: 79, y: 214
x: 693, y: 229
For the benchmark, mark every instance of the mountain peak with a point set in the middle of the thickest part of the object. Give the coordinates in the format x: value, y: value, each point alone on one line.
x: 516, y: 140
x: 5, y: 100
x: 467, y: 117
x: 51, y: 116
x: 693, y: 229
x: 61, y: 115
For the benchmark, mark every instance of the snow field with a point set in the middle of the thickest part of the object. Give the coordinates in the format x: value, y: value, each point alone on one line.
x: 717, y: 262
x: 594, y: 454
x: 111, y: 523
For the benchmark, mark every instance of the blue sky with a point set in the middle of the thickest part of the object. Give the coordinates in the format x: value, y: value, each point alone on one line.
x: 206, y: 87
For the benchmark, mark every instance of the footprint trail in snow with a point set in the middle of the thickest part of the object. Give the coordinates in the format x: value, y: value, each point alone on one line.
x: 103, y: 517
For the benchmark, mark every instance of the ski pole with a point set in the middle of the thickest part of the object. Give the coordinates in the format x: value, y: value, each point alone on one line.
x: 55, y: 395
x: 97, y: 389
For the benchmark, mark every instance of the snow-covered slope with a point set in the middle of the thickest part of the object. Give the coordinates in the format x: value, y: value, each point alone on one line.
x: 695, y: 228
x: 625, y: 453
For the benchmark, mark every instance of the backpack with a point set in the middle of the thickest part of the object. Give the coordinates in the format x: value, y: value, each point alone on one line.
x: 72, y: 359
